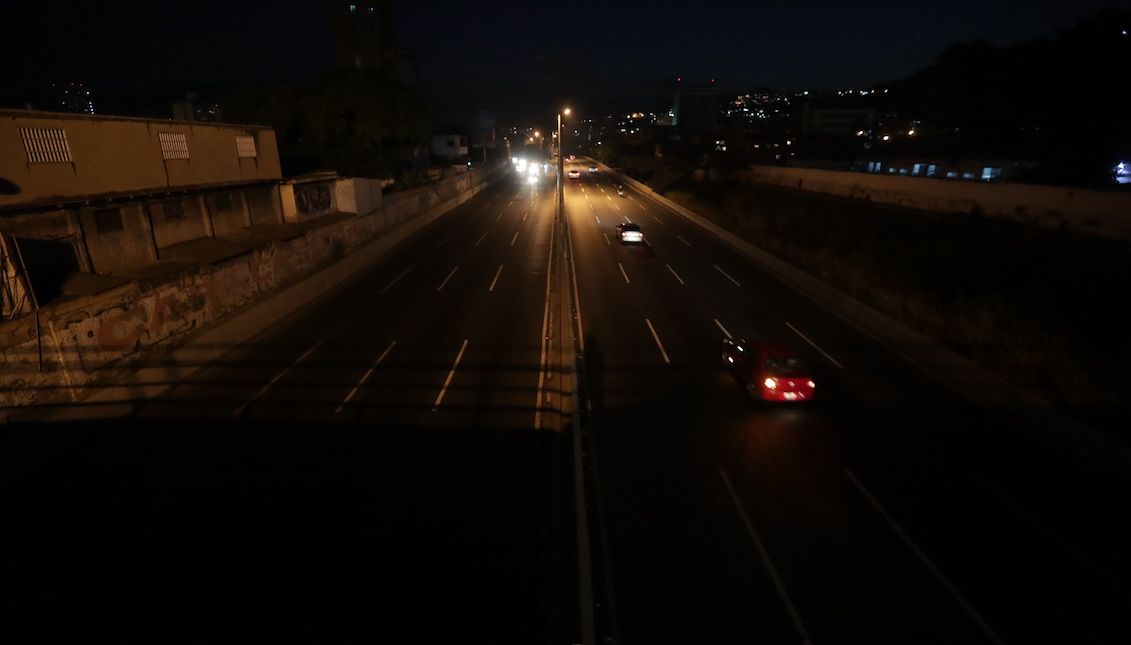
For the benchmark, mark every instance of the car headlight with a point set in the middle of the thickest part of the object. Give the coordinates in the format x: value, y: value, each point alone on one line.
x: 771, y: 383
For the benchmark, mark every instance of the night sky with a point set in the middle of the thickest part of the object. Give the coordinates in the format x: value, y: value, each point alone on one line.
x: 518, y: 59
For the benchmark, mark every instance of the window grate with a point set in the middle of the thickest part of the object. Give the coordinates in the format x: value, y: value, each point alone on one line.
x: 46, y: 145
x: 108, y: 220
x: 173, y: 145
x: 245, y: 147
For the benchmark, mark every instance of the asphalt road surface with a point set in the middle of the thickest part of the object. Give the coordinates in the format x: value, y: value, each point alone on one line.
x: 888, y: 511
x: 380, y: 464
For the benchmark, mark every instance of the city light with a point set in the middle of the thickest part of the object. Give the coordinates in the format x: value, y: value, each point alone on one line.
x: 887, y: 137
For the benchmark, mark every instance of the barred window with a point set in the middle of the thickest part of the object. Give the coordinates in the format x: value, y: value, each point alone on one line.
x: 173, y: 210
x: 108, y: 220
x: 173, y: 145
x: 224, y: 202
x: 46, y: 145
x: 245, y: 147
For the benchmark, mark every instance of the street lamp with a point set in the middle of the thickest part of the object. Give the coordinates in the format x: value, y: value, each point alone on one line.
x: 561, y: 162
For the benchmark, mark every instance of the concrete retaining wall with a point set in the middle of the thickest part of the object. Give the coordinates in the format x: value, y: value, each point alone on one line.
x: 88, y: 341
x: 1095, y: 212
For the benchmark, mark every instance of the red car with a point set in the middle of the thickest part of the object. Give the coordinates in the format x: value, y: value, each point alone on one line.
x: 769, y: 371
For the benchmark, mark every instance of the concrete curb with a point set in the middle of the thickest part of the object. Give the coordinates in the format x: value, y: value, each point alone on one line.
x: 947, y: 367
x: 118, y: 399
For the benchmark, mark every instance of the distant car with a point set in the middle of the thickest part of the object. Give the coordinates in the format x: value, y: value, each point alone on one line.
x: 592, y: 168
x: 768, y: 371
x: 630, y: 234
x: 620, y: 191
x: 572, y: 157
x: 575, y: 174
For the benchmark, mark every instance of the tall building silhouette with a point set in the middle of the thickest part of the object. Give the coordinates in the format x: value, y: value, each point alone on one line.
x: 363, y: 34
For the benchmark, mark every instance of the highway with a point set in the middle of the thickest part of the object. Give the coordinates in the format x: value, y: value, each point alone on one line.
x: 889, y: 511
x: 390, y: 454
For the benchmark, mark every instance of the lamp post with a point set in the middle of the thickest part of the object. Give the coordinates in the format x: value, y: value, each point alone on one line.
x: 561, y: 161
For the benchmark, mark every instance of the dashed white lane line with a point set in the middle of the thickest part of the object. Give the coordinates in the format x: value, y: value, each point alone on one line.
x: 448, y: 381
x: 607, y: 239
x: 515, y: 238
x: 659, y: 221
x: 446, y: 280
x: 642, y: 207
x: 987, y: 630
x: 481, y: 239
x: 361, y: 383
x: 500, y: 216
x: 598, y: 220
x: 727, y: 275
x: 815, y: 346
x: 656, y: 337
x: 263, y: 390
x: 626, y: 218
x: 525, y: 215
x: 496, y: 280
x: 622, y: 272
x: 396, y: 280
x: 783, y: 594
x: 445, y: 240
x: 676, y: 275
x: 685, y: 242
x: 724, y: 329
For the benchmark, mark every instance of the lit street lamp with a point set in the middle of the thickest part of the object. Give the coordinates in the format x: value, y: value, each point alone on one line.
x: 561, y: 162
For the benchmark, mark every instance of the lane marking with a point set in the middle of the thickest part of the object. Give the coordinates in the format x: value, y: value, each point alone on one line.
x: 642, y: 207
x: 736, y: 282
x: 685, y: 242
x: 607, y: 239
x: 616, y: 206
x: 263, y: 390
x: 658, y: 220
x: 676, y: 275
x: 357, y: 388
x: 667, y: 359
x: 1049, y: 533
x: 524, y: 215
x: 545, y: 338
x: 622, y: 272
x: 496, y: 280
x: 446, y: 280
x: 481, y: 239
x: 598, y: 219
x: 815, y: 346
x: 515, y: 238
x: 938, y: 574
x: 500, y: 216
x: 396, y: 280
x: 783, y: 594
x: 577, y: 297
x: 626, y: 218
x: 448, y: 381
x: 445, y: 240
x: 728, y: 334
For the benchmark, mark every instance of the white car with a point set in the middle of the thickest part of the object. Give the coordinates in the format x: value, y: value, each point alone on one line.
x: 592, y: 169
x: 630, y: 234
x: 575, y: 174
